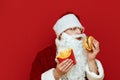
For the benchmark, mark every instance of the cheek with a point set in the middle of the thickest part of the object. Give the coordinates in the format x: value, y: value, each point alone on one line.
x: 70, y: 32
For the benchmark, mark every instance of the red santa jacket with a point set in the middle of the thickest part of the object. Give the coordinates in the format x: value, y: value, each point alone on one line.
x: 44, y: 61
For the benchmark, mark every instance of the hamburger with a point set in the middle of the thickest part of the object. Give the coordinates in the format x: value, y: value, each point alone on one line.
x: 88, y: 43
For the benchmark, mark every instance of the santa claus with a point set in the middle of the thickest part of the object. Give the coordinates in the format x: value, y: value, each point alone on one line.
x: 70, y: 34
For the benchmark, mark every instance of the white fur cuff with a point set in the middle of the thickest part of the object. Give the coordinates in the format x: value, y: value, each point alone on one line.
x: 48, y: 75
x: 92, y: 75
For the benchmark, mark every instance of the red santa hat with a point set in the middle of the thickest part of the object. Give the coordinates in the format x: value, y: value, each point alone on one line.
x: 65, y: 22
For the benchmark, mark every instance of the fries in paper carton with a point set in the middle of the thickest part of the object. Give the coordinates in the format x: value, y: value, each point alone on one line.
x: 66, y: 54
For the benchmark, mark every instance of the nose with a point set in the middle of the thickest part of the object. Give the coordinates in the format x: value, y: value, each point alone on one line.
x: 78, y: 31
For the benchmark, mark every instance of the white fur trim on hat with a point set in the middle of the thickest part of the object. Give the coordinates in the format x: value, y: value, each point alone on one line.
x: 67, y: 21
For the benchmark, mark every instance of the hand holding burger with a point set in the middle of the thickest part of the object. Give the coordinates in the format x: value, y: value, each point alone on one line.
x: 92, y: 47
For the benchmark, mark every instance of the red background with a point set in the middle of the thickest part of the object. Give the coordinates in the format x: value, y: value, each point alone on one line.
x: 26, y: 28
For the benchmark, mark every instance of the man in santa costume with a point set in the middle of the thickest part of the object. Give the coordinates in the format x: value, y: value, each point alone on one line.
x: 70, y: 34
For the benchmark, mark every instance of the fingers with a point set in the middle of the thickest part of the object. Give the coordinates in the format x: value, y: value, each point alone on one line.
x: 95, y: 46
x: 64, y: 66
x: 69, y: 68
x: 64, y: 62
x: 67, y: 65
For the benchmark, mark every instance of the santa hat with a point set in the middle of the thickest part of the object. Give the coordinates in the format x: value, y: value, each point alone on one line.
x: 65, y: 22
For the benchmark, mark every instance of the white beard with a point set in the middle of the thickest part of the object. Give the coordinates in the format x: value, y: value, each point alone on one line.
x: 77, y: 72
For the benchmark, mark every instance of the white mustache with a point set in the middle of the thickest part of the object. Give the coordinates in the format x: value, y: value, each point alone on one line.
x: 65, y: 35
x: 78, y: 36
